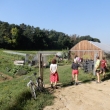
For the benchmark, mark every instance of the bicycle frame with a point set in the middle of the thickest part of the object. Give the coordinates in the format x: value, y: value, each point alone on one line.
x: 37, y: 85
x: 32, y: 87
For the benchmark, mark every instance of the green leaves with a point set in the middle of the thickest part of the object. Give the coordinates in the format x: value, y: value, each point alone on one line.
x: 14, y: 32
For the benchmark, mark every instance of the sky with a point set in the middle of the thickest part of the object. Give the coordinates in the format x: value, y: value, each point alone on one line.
x: 80, y: 17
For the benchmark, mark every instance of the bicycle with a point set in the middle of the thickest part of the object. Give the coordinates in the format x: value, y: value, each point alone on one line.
x: 36, y: 85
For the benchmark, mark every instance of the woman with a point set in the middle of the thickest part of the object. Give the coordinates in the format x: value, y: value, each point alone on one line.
x: 75, y: 71
x: 103, y: 66
x: 54, y: 78
x: 97, y: 69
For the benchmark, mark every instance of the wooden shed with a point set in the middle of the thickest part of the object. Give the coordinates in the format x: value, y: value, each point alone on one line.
x: 88, y: 50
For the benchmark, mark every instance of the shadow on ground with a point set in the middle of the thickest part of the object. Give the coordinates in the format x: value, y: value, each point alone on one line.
x: 107, y: 77
x: 22, y: 99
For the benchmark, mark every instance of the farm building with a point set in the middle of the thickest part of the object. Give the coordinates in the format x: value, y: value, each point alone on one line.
x: 88, y: 50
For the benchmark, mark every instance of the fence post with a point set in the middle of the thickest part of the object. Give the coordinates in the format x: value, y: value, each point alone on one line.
x: 41, y: 66
x: 95, y: 56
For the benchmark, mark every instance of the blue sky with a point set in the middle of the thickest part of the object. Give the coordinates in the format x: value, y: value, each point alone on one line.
x: 81, y: 17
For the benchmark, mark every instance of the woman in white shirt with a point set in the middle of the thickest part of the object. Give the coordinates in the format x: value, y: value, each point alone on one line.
x: 54, y: 78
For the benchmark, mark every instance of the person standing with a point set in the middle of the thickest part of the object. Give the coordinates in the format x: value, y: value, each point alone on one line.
x: 75, y: 72
x: 97, y: 69
x: 103, y: 66
x: 54, y: 77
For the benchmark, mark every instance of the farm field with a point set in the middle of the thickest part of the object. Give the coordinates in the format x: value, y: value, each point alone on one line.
x: 15, y: 95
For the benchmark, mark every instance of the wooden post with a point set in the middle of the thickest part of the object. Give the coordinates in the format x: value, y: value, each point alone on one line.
x: 41, y: 66
x: 95, y: 56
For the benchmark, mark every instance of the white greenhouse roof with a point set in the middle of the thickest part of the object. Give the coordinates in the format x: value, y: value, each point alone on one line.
x: 104, y: 47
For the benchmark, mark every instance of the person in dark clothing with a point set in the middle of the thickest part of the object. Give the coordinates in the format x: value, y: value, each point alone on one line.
x: 75, y: 66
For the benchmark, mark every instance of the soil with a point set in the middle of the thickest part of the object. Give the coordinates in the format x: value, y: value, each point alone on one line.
x: 4, y: 77
x: 86, y: 96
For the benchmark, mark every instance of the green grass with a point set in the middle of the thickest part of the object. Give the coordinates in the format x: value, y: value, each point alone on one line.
x: 15, y: 95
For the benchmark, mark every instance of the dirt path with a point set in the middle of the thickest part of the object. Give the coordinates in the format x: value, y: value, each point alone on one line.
x: 4, y: 77
x: 91, y: 96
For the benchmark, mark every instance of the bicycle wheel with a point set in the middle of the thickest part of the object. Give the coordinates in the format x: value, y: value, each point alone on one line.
x: 40, y: 84
x: 33, y: 92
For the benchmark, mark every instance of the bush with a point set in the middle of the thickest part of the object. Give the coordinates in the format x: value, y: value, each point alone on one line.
x: 21, y: 72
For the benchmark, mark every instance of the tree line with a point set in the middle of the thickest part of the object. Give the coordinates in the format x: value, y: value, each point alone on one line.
x: 26, y: 37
